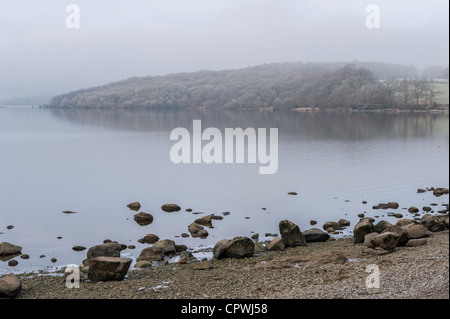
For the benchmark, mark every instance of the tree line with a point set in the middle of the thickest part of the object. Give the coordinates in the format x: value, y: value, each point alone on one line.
x: 277, y: 85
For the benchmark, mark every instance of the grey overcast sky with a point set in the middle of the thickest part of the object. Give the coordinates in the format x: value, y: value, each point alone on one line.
x: 118, y: 39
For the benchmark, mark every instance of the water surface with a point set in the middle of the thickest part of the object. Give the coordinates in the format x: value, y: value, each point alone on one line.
x: 95, y: 162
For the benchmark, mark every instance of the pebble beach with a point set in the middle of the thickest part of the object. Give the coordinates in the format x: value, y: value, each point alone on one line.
x: 406, y: 273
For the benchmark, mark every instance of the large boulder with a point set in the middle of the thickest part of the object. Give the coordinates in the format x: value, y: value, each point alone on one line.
x: 382, y: 225
x: 220, y: 249
x: 435, y: 223
x: 405, y: 222
x: 103, y: 250
x: 361, y: 229
x: 170, y: 208
x: 238, y: 247
x: 291, y: 234
x: 368, y: 238
x: 151, y: 254
x: 10, y: 286
x: 108, y: 268
x: 401, y: 232
x: 166, y: 244
x: 315, y: 235
x: 386, y: 241
x: 417, y: 231
x: 9, y: 249
x: 143, y: 219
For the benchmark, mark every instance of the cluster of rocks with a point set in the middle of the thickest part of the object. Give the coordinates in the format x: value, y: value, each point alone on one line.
x: 385, y: 237
x: 196, y: 229
x: 439, y: 191
x: 242, y: 247
x: 104, y: 261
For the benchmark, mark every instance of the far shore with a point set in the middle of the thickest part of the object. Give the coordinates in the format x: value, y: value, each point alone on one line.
x: 443, y: 109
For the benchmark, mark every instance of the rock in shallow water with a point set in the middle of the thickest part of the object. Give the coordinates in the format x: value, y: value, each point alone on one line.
x: 9, y: 249
x: 205, y: 221
x: 143, y: 219
x: 134, y: 206
x: 148, y: 239
x: 170, y: 208
x: 197, y: 230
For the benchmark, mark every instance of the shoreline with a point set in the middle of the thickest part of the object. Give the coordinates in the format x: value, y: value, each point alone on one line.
x: 326, y: 268
x: 407, y: 272
x: 444, y: 109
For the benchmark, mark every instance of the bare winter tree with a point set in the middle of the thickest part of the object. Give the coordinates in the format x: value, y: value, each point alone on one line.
x: 430, y: 93
x: 391, y: 86
x: 418, y: 90
x: 405, y: 92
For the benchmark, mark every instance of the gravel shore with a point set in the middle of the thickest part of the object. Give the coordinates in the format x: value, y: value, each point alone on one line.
x: 406, y: 273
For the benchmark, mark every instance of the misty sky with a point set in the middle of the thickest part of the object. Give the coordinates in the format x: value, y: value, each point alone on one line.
x: 39, y: 55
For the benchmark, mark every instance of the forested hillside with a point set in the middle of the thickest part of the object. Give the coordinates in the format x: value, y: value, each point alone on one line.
x: 278, y: 85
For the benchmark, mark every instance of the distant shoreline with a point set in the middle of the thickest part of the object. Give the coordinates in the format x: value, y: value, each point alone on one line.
x: 436, y: 110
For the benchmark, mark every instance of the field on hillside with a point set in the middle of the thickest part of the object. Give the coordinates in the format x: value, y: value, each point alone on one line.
x: 443, y: 98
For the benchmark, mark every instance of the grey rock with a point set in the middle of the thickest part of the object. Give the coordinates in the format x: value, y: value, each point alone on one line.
x: 9, y: 249
x: 387, y: 241
x: 108, y: 268
x: 291, y: 234
x: 170, y: 208
x: 315, y: 235
x: 361, y: 229
x: 10, y: 286
x: 151, y: 254
x: 276, y: 244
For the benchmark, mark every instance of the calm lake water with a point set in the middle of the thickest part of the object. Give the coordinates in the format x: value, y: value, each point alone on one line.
x: 96, y: 162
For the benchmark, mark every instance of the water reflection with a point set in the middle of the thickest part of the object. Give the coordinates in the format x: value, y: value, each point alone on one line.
x: 340, y: 126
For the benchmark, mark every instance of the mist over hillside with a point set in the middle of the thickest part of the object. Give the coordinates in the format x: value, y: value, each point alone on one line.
x: 277, y: 85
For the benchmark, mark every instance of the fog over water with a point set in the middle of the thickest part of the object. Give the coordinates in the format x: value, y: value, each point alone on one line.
x: 115, y: 40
